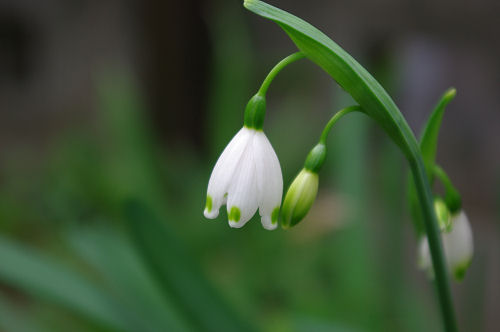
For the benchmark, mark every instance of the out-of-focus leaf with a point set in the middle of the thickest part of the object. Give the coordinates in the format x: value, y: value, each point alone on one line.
x: 40, y: 276
x: 306, y: 324
x: 429, y: 138
x: 348, y: 73
x: 13, y: 319
x: 132, y: 164
x: 232, y: 70
x: 351, y: 249
x: 182, y: 281
x: 428, y: 146
x: 124, y: 272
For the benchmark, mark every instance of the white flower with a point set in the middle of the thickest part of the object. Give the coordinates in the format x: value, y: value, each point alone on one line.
x: 247, y: 176
x: 458, y: 247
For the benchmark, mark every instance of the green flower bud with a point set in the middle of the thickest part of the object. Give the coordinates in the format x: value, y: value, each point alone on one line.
x: 299, y: 198
x: 443, y: 214
x: 255, y: 112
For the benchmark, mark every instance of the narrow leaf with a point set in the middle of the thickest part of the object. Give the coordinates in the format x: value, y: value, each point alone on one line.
x: 348, y: 73
x: 43, y: 277
x: 16, y: 319
x: 428, y: 146
x: 115, y: 259
x: 182, y: 281
x: 429, y: 139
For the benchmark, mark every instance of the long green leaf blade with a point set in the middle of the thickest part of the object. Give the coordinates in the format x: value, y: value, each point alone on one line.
x: 14, y: 319
x: 348, y: 73
x: 123, y: 271
x: 43, y: 277
x: 182, y: 281
x: 429, y: 139
x: 428, y: 146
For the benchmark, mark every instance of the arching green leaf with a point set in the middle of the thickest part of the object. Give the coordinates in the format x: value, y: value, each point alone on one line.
x: 429, y: 138
x: 428, y: 146
x: 45, y: 278
x: 348, y: 73
x: 182, y: 281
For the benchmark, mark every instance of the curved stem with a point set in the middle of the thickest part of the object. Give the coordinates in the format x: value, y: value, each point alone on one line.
x: 452, y: 196
x: 442, y: 176
x: 335, y: 118
x: 279, y: 66
x: 434, y: 240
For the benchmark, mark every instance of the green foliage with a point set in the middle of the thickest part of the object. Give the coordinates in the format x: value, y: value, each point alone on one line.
x: 348, y: 73
x: 43, y: 277
x: 376, y: 103
x: 429, y: 138
x: 179, y: 277
x: 159, y: 266
x: 428, y: 146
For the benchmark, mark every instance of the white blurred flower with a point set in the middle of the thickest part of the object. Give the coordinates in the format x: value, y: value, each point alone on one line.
x: 458, y: 247
x: 247, y: 176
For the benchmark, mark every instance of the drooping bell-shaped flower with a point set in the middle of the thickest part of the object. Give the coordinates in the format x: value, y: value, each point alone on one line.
x: 247, y: 175
x: 458, y: 247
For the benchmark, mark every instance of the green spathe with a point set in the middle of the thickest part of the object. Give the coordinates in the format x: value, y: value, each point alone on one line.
x: 316, y: 158
x: 299, y: 198
x: 255, y: 112
x: 443, y: 214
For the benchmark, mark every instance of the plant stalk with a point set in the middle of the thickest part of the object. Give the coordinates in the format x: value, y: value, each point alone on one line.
x: 334, y: 120
x: 276, y: 69
x: 433, y: 237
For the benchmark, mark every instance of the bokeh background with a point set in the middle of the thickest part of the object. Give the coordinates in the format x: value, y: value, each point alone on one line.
x: 112, y: 114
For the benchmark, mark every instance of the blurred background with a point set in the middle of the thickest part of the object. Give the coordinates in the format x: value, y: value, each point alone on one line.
x: 113, y: 113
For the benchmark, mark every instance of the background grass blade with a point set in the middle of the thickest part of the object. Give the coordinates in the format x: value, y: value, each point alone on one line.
x: 42, y: 277
x: 181, y: 279
x: 115, y: 259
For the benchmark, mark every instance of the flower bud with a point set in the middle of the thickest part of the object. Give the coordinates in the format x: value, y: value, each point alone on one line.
x: 299, y: 198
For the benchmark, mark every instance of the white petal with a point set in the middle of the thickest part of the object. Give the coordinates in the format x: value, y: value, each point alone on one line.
x: 458, y: 243
x: 424, y: 257
x: 458, y: 247
x: 224, y: 170
x: 269, y: 181
x: 243, y: 194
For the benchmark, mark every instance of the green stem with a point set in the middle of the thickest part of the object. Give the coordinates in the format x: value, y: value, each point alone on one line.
x: 279, y: 66
x: 452, y: 196
x: 335, y: 118
x: 434, y: 240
